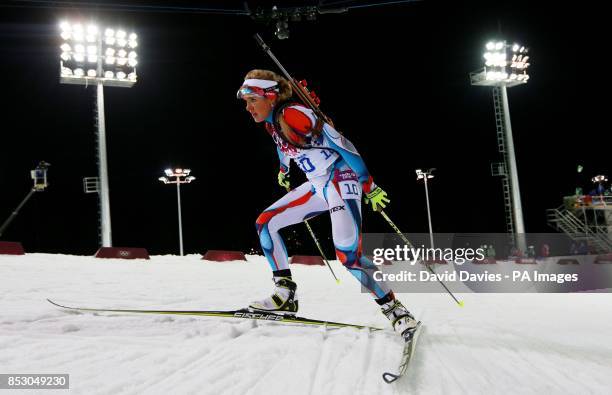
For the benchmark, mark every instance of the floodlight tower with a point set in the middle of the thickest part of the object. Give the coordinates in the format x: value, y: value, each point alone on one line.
x: 178, y: 177
x: 102, y: 58
x: 506, y: 66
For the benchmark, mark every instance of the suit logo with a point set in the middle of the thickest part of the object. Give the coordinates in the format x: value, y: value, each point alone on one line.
x: 337, y: 208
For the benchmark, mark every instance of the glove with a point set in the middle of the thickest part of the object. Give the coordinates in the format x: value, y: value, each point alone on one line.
x: 378, y: 197
x: 283, y: 180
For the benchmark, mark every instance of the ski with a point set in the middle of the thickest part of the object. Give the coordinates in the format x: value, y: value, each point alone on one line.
x: 241, y: 314
x: 407, y: 355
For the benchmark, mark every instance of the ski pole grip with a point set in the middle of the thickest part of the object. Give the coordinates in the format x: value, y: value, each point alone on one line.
x: 390, y: 377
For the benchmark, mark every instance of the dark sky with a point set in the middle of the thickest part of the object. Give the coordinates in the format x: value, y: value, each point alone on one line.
x: 394, y: 78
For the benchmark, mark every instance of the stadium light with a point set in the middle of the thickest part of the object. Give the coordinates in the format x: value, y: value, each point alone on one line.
x: 599, y: 179
x: 82, y: 45
x: 88, y: 57
x: 504, y: 64
x: 178, y: 176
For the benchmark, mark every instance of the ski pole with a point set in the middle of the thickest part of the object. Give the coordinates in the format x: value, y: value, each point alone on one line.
x: 320, y: 250
x: 409, y: 244
x: 319, y: 247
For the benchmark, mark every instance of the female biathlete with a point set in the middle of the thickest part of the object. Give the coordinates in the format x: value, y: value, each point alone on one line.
x: 337, y: 177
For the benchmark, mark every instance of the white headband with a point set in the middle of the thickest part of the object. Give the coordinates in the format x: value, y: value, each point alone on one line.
x: 263, y: 84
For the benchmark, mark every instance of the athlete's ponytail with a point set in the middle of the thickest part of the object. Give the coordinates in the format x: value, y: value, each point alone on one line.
x: 284, y: 86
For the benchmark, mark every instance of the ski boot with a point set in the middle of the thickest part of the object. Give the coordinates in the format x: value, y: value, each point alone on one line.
x: 403, y: 322
x: 283, y: 301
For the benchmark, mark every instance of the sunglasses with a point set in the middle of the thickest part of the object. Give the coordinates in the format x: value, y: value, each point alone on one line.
x: 257, y: 91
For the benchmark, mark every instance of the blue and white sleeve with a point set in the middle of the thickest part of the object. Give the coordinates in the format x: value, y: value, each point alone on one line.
x: 285, y: 161
x: 349, y: 153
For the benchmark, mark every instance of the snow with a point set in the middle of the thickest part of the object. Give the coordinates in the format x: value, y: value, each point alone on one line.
x: 496, y: 344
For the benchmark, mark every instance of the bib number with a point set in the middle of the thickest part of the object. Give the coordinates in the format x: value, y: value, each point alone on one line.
x: 350, y: 189
x: 348, y: 184
x: 305, y: 164
x: 327, y: 154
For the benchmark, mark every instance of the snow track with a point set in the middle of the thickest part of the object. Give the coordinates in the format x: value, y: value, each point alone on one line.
x: 497, y: 344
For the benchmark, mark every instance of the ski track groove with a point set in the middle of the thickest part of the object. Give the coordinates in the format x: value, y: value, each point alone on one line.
x: 331, y: 356
x: 318, y: 365
x: 172, y: 377
x: 445, y: 370
x: 190, y: 364
x: 362, y: 346
x: 351, y: 363
x: 369, y: 354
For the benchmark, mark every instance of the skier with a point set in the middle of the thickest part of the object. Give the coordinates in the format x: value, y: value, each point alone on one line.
x: 336, y: 178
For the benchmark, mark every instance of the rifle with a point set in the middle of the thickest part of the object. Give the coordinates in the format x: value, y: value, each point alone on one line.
x: 299, y: 87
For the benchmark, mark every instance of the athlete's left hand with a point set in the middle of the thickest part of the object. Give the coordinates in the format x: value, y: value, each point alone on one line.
x: 283, y: 180
x: 378, y: 198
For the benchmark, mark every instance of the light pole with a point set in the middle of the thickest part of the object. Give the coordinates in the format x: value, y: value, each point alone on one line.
x: 92, y: 57
x: 425, y: 175
x: 178, y: 177
x: 506, y: 66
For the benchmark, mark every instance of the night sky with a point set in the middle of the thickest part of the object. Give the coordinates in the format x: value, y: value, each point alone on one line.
x: 394, y: 78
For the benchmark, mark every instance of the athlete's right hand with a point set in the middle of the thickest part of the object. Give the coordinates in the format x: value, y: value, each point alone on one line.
x: 283, y: 180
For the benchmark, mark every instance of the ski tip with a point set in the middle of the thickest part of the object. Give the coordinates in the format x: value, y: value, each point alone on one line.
x: 338, y: 281
x: 461, y: 303
x: 54, y: 303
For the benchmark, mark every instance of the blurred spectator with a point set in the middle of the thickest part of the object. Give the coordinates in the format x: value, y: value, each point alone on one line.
x: 573, y: 248
x: 515, y: 252
x: 491, y: 252
x: 531, y: 252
